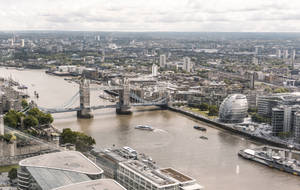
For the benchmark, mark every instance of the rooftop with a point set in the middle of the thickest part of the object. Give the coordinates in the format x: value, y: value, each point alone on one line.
x: 149, y: 173
x: 176, y: 175
x: 100, y: 184
x: 67, y: 160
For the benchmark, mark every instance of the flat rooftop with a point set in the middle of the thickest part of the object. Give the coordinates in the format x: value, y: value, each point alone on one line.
x: 151, y: 174
x: 176, y: 175
x: 100, y: 184
x: 67, y: 160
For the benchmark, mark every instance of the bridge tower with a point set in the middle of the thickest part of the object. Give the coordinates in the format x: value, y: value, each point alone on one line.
x: 123, y: 106
x: 84, y: 93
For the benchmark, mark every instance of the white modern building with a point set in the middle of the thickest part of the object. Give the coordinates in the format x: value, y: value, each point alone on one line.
x: 187, y: 65
x: 154, y: 70
x: 278, y: 53
x: 99, y: 184
x: 54, y: 170
x: 22, y: 43
x: 162, y: 61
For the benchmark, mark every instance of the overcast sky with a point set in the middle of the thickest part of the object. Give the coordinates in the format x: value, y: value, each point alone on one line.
x: 152, y: 15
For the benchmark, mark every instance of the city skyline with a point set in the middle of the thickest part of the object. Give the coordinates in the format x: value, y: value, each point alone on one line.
x: 140, y: 16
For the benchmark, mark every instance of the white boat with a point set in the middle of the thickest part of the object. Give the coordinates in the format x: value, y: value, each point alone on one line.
x: 144, y: 127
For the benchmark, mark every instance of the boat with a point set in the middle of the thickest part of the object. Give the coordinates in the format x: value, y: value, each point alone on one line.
x: 199, y: 128
x: 273, y: 158
x: 203, y: 137
x: 144, y: 127
x: 22, y: 87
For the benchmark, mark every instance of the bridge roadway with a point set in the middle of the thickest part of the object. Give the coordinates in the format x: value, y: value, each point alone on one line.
x: 99, y: 107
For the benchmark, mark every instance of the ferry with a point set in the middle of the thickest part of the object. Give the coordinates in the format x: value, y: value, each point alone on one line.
x: 144, y: 127
x: 203, y: 137
x: 280, y: 159
x: 199, y: 128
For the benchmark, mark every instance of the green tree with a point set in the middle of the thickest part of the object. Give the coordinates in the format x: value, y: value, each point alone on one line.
x: 12, y: 174
x: 24, y: 103
x: 13, y: 118
x: 213, y: 110
x: 7, y: 137
x: 82, y: 141
x: 45, y: 119
x: 203, y: 106
x: 30, y: 121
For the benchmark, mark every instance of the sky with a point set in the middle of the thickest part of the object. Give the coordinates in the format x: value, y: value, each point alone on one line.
x: 152, y: 15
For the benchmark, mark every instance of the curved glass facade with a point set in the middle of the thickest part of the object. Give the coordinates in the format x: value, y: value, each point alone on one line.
x: 233, y: 109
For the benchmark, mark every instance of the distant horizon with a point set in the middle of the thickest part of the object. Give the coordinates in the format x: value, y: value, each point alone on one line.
x: 154, y: 31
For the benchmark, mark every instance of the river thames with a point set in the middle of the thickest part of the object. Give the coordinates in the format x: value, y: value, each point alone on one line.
x: 174, y: 143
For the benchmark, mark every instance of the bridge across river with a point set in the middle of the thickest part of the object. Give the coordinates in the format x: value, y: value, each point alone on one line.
x: 123, y: 106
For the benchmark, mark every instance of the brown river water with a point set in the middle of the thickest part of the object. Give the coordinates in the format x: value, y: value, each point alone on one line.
x: 174, y: 143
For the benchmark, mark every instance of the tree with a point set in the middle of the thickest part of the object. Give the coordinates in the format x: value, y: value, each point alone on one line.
x: 12, y: 174
x: 82, y: 141
x: 45, y: 119
x: 30, y: 121
x: 13, y: 118
x: 203, y: 106
x: 24, y: 103
x: 213, y: 110
x: 7, y: 137
x: 42, y: 118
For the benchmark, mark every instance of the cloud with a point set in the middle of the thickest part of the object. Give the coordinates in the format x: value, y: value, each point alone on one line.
x: 155, y: 15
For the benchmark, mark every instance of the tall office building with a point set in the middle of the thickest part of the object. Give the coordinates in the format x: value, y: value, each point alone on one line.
x: 293, y: 57
x: 286, y: 54
x: 258, y: 50
x: 252, y: 81
x: 22, y: 42
x: 1, y: 125
x: 162, y: 61
x: 278, y: 53
x: 11, y: 42
x: 297, y: 125
x: 154, y: 70
x: 287, y: 119
x: 187, y: 66
x: 277, y: 121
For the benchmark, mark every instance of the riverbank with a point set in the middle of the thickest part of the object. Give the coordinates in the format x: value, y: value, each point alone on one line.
x: 233, y: 130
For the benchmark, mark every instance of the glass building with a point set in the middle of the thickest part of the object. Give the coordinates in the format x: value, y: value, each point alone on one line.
x: 50, y: 171
x: 233, y: 109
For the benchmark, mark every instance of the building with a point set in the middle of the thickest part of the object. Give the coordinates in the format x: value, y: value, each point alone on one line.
x: 286, y: 54
x: 278, y: 53
x: 22, y: 43
x: 297, y: 125
x: 283, y: 119
x: 154, y: 70
x: 99, y: 184
x: 187, y: 66
x: 258, y: 50
x: 277, y: 121
x: 252, y: 81
x: 265, y: 104
x: 138, y: 172
x: 233, y: 109
x: 50, y: 171
x: 162, y: 61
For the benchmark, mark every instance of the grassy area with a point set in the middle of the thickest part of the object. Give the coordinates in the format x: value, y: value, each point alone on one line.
x: 7, y: 168
x: 204, y: 113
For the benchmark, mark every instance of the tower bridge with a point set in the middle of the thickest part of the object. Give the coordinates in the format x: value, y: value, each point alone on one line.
x: 127, y: 99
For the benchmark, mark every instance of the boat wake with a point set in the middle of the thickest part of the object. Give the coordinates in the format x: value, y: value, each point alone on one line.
x: 159, y: 131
